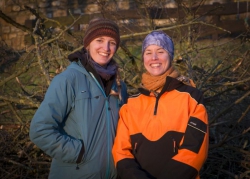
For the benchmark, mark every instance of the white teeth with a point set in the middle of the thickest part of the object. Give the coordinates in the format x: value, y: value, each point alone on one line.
x: 155, y: 65
x: 103, y: 54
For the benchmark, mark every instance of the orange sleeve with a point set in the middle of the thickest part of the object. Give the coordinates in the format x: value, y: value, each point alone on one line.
x: 194, y: 136
x: 193, y: 149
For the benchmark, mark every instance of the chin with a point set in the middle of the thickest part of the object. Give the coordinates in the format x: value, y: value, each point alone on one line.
x: 156, y: 74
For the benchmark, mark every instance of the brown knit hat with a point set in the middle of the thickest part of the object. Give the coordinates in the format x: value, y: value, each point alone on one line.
x: 101, y: 27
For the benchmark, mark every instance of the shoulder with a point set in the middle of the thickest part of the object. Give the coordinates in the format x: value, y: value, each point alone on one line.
x: 134, y: 95
x: 136, y: 99
x: 194, y: 93
x: 188, y: 89
x: 72, y: 72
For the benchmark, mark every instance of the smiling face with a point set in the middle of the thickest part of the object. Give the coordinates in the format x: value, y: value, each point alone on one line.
x: 156, y: 60
x: 102, y: 49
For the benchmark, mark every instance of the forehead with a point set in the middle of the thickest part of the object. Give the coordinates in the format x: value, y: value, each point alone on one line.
x: 105, y: 37
x: 153, y: 47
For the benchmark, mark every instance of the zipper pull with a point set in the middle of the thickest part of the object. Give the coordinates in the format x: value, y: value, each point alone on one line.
x: 174, y: 145
x: 135, y: 147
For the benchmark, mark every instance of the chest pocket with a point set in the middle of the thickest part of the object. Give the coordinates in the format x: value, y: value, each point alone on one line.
x: 87, y: 95
x: 86, y: 90
x: 81, y: 95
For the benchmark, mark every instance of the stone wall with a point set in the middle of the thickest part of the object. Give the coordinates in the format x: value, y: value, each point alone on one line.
x: 15, y: 9
x: 61, y: 11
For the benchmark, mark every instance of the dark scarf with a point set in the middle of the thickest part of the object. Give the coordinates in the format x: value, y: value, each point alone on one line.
x: 107, y: 71
x: 105, y: 79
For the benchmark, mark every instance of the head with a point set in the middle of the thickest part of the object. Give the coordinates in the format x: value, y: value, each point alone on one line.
x: 102, y: 40
x: 157, y: 52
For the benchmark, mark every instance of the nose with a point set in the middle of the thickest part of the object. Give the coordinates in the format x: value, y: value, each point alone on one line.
x: 106, y: 46
x: 154, y: 56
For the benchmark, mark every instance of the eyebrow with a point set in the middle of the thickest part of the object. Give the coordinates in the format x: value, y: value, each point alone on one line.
x: 160, y: 48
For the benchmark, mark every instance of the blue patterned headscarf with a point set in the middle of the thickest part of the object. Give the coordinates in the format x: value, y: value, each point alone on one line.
x: 161, y: 39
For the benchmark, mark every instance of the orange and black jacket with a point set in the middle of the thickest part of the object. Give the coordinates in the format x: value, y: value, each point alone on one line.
x: 162, y: 136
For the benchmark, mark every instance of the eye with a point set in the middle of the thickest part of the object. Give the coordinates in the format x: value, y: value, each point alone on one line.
x: 99, y: 40
x: 147, y: 52
x: 112, y: 42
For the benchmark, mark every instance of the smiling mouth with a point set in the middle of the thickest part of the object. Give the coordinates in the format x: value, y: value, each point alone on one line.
x: 103, y: 54
x: 155, y: 65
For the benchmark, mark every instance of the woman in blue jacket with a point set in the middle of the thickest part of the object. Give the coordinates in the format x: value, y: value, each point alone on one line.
x: 76, y: 122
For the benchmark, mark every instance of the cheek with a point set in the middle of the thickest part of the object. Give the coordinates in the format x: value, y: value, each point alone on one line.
x: 113, y: 49
x: 145, y: 62
x: 166, y: 60
x: 91, y: 52
x: 169, y: 63
x: 91, y: 48
x: 146, y: 65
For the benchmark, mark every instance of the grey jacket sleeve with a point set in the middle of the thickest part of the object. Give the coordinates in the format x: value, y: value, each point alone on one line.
x: 47, y: 124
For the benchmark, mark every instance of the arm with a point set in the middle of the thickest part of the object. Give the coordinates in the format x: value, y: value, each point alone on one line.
x: 125, y: 163
x: 46, y: 128
x: 193, y: 148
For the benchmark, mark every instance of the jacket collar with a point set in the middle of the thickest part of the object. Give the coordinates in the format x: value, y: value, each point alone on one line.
x: 85, y: 68
x: 170, y: 84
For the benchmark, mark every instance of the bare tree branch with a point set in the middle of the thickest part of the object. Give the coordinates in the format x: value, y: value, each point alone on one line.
x: 20, y: 101
x: 14, y: 23
x: 229, y: 107
x: 17, y: 73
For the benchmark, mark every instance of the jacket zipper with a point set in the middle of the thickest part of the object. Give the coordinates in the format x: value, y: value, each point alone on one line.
x: 135, y: 148
x: 175, y: 148
x: 108, y: 131
x: 157, y: 97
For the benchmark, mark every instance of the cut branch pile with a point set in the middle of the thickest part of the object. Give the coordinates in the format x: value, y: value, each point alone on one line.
x: 220, y: 69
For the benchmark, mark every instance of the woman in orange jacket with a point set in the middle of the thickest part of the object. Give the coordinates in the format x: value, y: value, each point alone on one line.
x: 163, y: 131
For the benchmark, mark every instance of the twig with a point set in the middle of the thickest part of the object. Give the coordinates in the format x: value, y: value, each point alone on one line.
x: 236, y: 82
x: 15, y: 113
x: 3, y: 104
x: 20, y: 101
x: 8, y: 173
x: 14, y: 23
x: 239, y: 135
x: 38, y: 53
x: 61, y: 33
x: 239, y: 150
x: 174, y: 27
x: 15, y: 163
x: 40, y: 163
x: 228, y: 173
x: 17, y: 73
x: 230, y: 106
